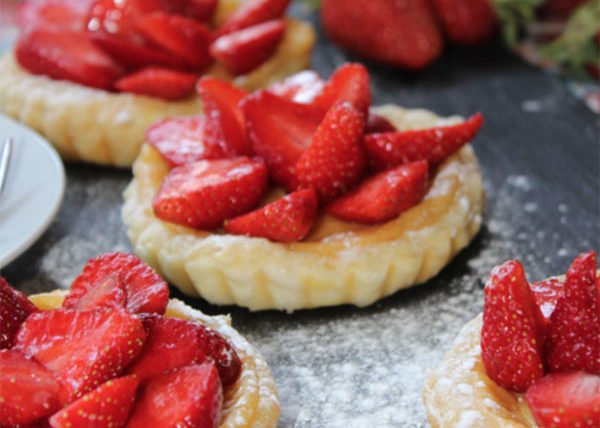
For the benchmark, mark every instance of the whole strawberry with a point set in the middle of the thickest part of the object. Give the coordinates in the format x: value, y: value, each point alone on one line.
x: 467, y: 22
x: 403, y: 34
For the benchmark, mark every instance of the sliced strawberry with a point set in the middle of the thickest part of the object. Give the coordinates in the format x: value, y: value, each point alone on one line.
x: 158, y: 82
x: 81, y: 348
x: 244, y: 50
x: 184, y: 37
x: 174, y: 343
x: 378, y: 124
x: 182, y: 140
x: 107, y: 406
x: 383, y: 196
x: 224, y: 122
x: 302, y: 87
x: 145, y: 290
x: 335, y: 161
x: 108, y: 292
x: 546, y: 295
x: 171, y: 343
x: 119, y: 17
x: 512, y: 333
x: 253, y: 13
x: 203, y: 194
x: 68, y: 56
x: 53, y: 15
x: 215, y: 347
x: 15, y: 307
x: 287, y: 219
x: 434, y: 145
x: 134, y: 54
x: 280, y: 131
x: 572, y: 341
x: 28, y: 391
x: 349, y: 82
x: 190, y: 397
x: 565, y: 400
x: 200, y: 10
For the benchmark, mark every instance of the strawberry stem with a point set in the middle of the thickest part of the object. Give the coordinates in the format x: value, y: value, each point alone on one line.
x: 577, y: 47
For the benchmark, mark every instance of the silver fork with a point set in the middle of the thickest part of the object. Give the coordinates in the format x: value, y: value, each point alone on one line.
x: 4, y: 161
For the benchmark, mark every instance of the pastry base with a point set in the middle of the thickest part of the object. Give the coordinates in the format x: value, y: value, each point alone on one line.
x: 337, y: 263
x: 253, y: 401
x: 92, y: 125
x: 458, y: 393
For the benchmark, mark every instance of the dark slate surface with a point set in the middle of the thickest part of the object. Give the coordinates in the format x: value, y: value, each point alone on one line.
x: 345, y: 366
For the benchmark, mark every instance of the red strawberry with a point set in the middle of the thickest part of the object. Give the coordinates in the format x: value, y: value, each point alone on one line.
x: 253, y: 13
x: 402, y: 34
x: 68, y: 56
x: 190, y: 396
x: 53, y: 15
x: 118, y: 17
x: 244, y: 50
x: 158, y: 82
x: 224, y: 122
x: 301, y: 87
x: 572, y: 341
x: 214, y: 347
x: 335, y: 161
x: 467, y: 22
x: 512, y: 333
x: 288, y: 219
x: 203, y: 194
x: 182, y: 140
x: 174, y: 343
x: 350, y: 83
x: 15, y: 307
x: 107, y: 406
x: 546, y: 295
x: 280, y: 131
x: 200, y: 10
x: 28, y: 391
x: 378, y: 124
x: 565, y: 400
x: 171, y: 343
x: 184, y: 37
x: 434, y: 145
x: 560, y: 8
x: 81, y: 348
x: 108, y: 292
x: 145, y: 289
x: 134, y: 54
x: 383, y: 196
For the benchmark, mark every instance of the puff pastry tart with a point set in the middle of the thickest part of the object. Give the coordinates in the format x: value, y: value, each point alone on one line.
x: 532, y: 359
x: 92, y: 75
x: 114, y: 351
x: 360, y: 221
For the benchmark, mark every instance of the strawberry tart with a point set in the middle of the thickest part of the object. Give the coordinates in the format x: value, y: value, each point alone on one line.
x: 92, y: 75
x: 532, y: 359
x: 114, y: 351
x: 301, y: 195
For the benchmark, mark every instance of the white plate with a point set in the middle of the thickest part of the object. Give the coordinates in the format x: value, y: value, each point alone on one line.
x: 33, y: 191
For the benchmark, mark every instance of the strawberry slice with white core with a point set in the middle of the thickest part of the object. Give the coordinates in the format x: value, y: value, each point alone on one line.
x: 83, y: 349
x: 204, y: 194
x: 565, y: 400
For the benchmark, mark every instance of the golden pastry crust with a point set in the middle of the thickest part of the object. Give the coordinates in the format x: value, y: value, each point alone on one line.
x: 458, y: 393
x: 337, y: 263
x: 253, y: 401
x: 92, y: 125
